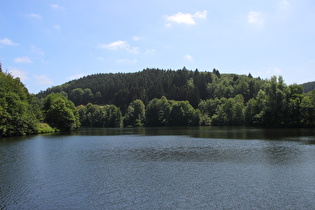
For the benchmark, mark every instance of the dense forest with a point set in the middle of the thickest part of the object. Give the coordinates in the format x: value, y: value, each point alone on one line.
x: 19, y: 111
x: 309, y: 86
x: 22, y: 114
x: 123, y: 88
x: 155, y: 97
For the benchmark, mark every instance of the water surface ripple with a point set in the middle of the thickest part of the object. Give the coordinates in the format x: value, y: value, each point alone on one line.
x: 154, y: 168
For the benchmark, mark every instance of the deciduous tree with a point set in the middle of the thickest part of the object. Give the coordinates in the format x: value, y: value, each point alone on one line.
x: 60, y: 112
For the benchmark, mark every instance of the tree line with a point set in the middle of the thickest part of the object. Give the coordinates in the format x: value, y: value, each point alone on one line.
x: 122, y: 88
x: 220, y: 99
x: 275, y: 105
x: 159, y: 112
x: 154, y: 98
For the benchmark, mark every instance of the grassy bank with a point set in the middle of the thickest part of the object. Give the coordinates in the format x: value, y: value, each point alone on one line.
x: 45, y: 128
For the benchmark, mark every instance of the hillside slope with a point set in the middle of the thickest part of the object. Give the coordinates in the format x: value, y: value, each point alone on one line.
x: 309, y: 86
x: 122, y: 88
x: 190, y: 98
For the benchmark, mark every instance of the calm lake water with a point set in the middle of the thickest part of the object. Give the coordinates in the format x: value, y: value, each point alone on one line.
x: 160, y: 168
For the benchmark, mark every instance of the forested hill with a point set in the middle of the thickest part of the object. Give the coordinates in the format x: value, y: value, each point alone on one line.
x: 309, y: 86
x: 156, y: 97
x: 122, y: 88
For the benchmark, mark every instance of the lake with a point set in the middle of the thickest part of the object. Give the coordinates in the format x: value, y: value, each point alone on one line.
x: 160, y: 168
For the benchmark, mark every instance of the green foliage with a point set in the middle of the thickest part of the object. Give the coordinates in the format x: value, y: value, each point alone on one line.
x: 19, y: 112
x: 193, y: 98
x: 59, y: 112
x: 251, y: 112
x: 135, y: 115
x: 229, y: 112
x: 309, y: 86
x: 123, y: 88
x: 98, y: 97
x: 100, y: 116
x: 162, y: 112
x: 76, y: 95
x: 158, y: 112
x: 294, y: 99
x: 64, y: 94
x: 196, y: 98
x: 94, y: 115
x: 44, y: 128
x: 183, y: 114
x: 88, y: 95
x: 113, y: 116
x: 308, y: 109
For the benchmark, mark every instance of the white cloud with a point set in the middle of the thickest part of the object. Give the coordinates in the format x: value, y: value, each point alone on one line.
x: 7, y: 41
x: 56, y: 6
x: 137, y: 38
x: 181, y: 18
x: 185, y: 18
x: 188, y: 57
x: 284, y: 5
x: 24, y: 59
x: 76, y: 76
x: 43, y: 80
x: 115, y: 45
x: 19, y: 73
x: 120, y: 45
x: 255, y: 18
x: 35, y: 16
x: 201, y: 15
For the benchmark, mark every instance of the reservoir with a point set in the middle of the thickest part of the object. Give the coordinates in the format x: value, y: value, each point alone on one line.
x: 160, y: 168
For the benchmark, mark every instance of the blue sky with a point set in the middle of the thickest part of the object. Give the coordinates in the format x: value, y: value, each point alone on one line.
x: 49, y: 42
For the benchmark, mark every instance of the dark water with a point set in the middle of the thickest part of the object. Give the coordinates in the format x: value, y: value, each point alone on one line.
x: 160, y: 168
